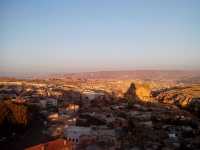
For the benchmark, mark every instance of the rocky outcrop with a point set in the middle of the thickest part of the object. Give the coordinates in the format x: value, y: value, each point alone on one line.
x: 184, y: 97
x: 131, y: 93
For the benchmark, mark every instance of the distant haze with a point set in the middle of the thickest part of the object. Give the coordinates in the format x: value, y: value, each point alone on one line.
x: 49, y: 36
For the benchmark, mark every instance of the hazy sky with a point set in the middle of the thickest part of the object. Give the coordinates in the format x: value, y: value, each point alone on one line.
x: 39, y: 36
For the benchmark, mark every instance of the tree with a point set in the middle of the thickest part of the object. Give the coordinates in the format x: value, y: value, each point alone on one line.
x: 13, y: 117
x: 3, y: 112
x: 130, y: 103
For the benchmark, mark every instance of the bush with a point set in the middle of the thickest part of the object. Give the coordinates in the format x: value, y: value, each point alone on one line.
x: 13, y: 117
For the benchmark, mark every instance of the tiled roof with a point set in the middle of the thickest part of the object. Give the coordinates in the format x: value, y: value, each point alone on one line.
x: 59, y: 144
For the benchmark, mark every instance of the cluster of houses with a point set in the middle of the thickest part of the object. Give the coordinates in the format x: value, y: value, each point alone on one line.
x: 87, y: 136
x: 63, y: 118
x: 80, y: 118
x: 95, y: 128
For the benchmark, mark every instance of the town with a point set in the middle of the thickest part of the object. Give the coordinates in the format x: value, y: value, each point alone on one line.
x: 97, y: 114
x: 99, y: 75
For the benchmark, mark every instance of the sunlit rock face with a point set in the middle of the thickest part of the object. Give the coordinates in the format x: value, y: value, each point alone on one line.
x: 140, y: 92
x: 187, y: 97
x: 143, y: 93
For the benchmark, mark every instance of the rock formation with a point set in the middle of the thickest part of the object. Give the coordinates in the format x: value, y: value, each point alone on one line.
x: 131, y: 93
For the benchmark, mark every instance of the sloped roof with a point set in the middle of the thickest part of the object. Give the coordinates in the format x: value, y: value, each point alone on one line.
x: 59, y: 144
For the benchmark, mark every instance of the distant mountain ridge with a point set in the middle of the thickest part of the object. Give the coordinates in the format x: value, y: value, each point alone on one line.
x: 178, y: 76
x: 173, y: 75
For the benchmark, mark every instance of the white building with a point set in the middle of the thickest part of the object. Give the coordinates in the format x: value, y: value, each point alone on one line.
x: 74, y: 133
x: 43, y: 103
x: 91, y: 95
x: 79, y: 135
x: 48, y: 102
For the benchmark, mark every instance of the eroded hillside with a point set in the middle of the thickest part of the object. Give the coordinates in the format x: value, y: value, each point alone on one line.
x: 187, y: 97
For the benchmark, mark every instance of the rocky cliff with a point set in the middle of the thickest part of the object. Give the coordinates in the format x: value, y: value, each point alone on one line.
x: 184, y: 97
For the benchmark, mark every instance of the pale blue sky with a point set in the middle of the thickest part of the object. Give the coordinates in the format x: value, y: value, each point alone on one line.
x: 42, y: 36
